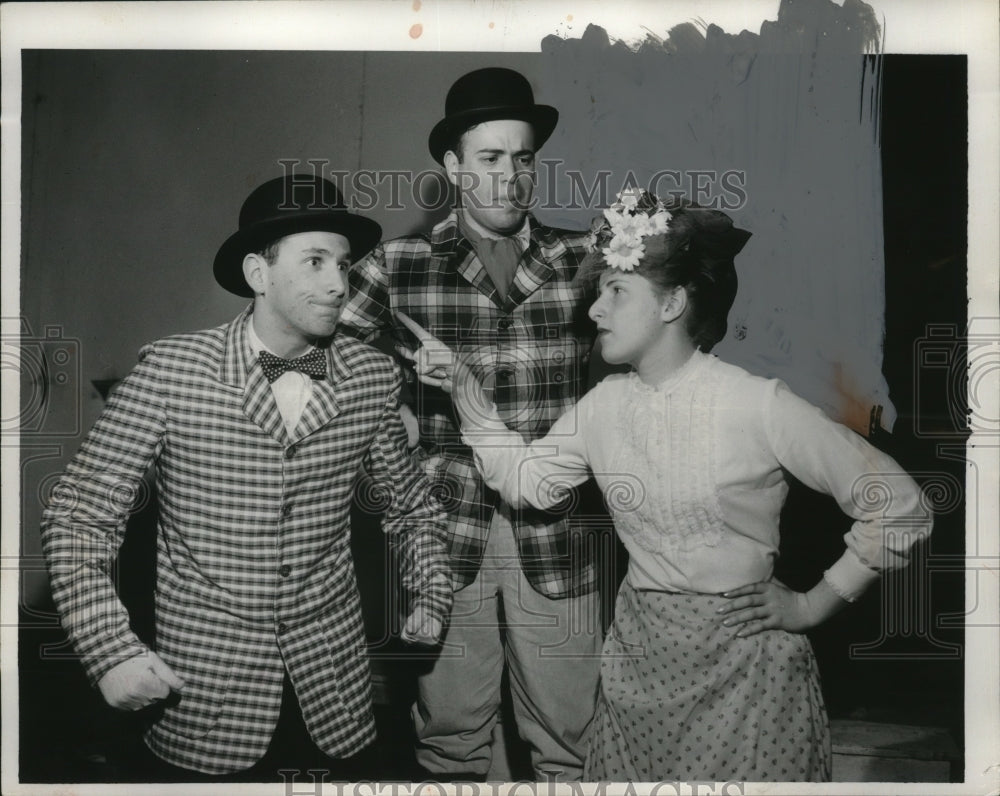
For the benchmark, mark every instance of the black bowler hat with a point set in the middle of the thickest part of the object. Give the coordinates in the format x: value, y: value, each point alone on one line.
x: 486, y: 95
x: 284, y: 206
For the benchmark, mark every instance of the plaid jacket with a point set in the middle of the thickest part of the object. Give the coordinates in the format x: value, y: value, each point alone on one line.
x: 531, y: 348
x: 254, y: 570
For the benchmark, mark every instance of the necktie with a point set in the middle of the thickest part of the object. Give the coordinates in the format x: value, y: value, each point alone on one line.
x: 312, y: 364
x: 499, y: 256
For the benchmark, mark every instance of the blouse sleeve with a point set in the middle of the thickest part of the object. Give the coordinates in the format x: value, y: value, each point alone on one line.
x: 885, y: 502
x: 538, y: 474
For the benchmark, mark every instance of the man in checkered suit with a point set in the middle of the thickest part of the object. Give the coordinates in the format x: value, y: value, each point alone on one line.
x: 260, y: 431
x: 496, y: 285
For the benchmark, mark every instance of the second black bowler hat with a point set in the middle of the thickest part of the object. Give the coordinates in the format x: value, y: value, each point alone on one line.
x: 284, y: 206
x: 484, y: 96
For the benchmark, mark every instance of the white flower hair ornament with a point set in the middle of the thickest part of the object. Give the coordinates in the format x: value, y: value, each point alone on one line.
x: 619, y: 233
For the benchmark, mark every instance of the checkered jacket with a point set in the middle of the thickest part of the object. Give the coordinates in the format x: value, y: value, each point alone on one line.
x: 531, y: 348
x: 254, y: 570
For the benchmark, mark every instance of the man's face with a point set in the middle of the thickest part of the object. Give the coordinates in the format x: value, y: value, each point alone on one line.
x: 495, y: 174
x: 300, y: 294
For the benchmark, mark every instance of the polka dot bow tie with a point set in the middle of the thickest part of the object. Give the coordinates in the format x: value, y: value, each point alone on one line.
x: 312, y: 364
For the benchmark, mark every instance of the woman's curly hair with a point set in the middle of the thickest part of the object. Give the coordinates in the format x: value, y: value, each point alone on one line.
x: 696, y: 253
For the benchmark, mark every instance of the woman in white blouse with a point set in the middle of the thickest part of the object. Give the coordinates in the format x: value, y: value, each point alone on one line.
x: 706, y: 674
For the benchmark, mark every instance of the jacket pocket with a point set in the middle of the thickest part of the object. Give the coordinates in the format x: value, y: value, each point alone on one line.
x: 201, y: 645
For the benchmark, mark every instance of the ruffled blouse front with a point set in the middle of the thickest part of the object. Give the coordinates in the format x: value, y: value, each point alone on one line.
x: 666, y: 459
x: 692, y: 474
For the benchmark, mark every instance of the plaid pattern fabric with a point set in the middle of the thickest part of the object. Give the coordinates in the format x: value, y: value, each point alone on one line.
x: 254, y: 569
x: 530, y: 347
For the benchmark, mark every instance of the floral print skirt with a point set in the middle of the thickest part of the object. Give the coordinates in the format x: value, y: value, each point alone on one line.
x: 683, y: 698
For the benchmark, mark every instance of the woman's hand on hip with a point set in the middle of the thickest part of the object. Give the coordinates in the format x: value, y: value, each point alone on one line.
x: 770, y: 605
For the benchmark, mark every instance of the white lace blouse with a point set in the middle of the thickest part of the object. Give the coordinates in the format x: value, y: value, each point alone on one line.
x: 691, y: 471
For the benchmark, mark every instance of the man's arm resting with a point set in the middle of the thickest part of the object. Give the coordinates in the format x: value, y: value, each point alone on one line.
x: 84, y: 523
x: 414, y: 523
x: 431, y: 607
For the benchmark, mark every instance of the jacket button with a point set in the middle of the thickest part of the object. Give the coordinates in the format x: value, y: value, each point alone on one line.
x: 282, y: 627
x: 286, y: 510
x: 504, y: 323
x: 290, y: 451
x: 284, y: 570
x: 504, y: 374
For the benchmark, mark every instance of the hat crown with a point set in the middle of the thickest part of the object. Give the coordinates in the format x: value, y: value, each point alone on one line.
x: 486, y: 95
x: 290, y: 196
x: 285, y: 206
x: 491, y: 87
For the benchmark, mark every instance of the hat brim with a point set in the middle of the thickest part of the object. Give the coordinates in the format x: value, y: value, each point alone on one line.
x: 542, y: 118
x: 362, y: 233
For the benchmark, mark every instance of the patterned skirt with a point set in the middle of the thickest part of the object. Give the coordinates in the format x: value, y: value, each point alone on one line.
x: 683, y: 698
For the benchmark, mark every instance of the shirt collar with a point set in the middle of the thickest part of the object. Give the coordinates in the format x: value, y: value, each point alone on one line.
x: 257, y: 345
x: 523, y: 234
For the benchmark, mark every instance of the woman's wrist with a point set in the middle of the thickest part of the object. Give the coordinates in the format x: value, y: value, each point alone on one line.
x: 820, y: 603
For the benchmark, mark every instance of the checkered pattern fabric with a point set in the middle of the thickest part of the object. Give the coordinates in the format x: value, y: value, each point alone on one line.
x: 530, y: 347
x: 254, y: 570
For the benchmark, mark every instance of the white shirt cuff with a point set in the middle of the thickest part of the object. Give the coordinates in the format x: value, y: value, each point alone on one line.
x: 849, y: 578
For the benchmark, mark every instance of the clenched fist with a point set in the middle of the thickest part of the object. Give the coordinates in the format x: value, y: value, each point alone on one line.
x: 138, y: 682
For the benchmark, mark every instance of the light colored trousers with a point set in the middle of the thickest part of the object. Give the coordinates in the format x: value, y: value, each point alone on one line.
x: 553, y: 653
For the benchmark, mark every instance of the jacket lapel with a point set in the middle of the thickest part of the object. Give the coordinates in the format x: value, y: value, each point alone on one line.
x: 449, y: 246
x: 535, y: 268
x: 259, y: 405
x: 240, y: 371
x: 323, y: 406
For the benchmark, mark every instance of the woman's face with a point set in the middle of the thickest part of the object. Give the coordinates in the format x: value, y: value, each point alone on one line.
x: 629, y: 315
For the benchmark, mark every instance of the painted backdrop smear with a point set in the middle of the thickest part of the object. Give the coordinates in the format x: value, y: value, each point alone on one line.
x: 792, y: 112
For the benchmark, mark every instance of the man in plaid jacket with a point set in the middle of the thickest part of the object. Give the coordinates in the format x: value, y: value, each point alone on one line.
x: 496, y: 285
x: 259, y: 431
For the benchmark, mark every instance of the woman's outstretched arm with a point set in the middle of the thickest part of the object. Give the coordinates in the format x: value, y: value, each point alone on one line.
x: 538, y: 474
